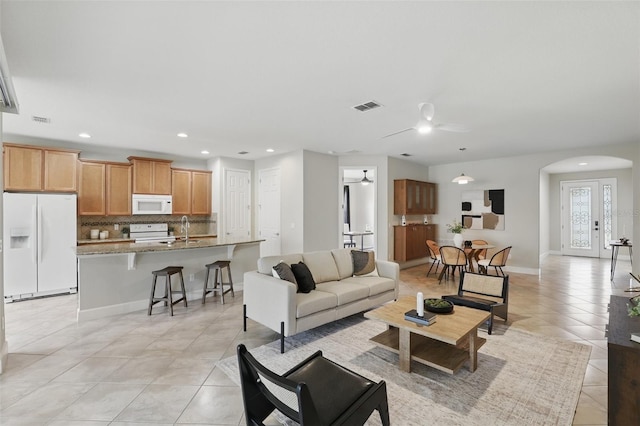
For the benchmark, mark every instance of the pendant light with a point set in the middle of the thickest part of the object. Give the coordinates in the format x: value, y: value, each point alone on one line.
x: 462, y: 179
x: 365, y: 180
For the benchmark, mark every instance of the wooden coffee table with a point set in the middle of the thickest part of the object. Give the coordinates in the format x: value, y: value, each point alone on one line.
x: 446, y: 344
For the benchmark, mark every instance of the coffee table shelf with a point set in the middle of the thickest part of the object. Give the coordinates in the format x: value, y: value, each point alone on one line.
x: 424, y: 350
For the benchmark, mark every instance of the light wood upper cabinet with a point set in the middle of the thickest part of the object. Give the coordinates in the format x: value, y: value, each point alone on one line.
x: 104, y: 188
x: 151, y: 176
x: 91, y: 188
x: 191, y: 191
x: 32, y: 168
x: 60, y: 170
x: 118, y: 189
x: 181, y: 191
x: 201, y: 192
x: 414, y: 197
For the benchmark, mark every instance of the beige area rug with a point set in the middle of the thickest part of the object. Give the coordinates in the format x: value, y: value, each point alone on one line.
x: 522, y: 378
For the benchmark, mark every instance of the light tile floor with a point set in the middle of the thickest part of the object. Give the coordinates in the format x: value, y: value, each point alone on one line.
x: 139, y: 370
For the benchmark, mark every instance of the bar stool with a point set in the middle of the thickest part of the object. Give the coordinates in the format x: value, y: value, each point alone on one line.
x: 218, y: 266
x: 167, y: 299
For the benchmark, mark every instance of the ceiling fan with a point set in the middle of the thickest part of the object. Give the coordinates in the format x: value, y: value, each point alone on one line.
x: 426, y: 125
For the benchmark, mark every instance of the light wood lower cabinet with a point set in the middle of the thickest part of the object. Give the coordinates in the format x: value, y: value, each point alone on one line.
x: 104, y: 188
x: 410, y: 241
x: 191, y: 191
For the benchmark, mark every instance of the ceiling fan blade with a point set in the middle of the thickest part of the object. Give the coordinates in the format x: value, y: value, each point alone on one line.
x: 397, y: 133
x: 451, y: 127
x: 426, y: 110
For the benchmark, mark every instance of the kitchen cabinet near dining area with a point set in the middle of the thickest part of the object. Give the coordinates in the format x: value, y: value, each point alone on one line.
x: 410, y: 241
x: 104, y: 188
x: 34, y: 169
x: 191, y: 191
x: 414, y: 197
x: 151, y: 175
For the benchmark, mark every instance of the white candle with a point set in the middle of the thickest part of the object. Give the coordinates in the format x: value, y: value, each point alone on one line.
x: 420, y: 304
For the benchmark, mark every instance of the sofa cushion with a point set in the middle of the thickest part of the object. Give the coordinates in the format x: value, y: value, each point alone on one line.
x: 376, y: 285
x: 322, y: 266
x: 303, y: 277
x: 316, y: 301
x: 266, y: 263
x: 284, y: 272
x: 343, y: 260
x: 364, y: 262
x: 346, y: 292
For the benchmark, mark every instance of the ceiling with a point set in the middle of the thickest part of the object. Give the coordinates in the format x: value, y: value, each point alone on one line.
x: 524, y: 77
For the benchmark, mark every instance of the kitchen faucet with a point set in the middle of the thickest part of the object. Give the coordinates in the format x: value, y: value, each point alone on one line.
x: 184, y: 227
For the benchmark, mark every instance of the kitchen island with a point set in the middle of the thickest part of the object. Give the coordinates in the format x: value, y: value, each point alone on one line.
x: 115, y: 278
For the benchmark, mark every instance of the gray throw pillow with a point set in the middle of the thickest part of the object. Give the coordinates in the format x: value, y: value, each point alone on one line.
x: 284, y: 272
x: 363, y: 262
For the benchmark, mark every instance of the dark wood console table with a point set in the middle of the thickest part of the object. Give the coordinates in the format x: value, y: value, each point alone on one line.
x: 624, y: 364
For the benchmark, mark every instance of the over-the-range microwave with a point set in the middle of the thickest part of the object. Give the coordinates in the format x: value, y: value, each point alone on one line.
x: 151, y: 204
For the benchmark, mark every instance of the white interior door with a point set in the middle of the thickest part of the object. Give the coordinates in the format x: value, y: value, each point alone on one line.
x: 581, y: 220
x: 269, y: 212
x: 237, y: 217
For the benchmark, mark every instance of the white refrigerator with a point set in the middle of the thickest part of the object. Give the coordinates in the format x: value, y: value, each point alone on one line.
x: 39, y: 244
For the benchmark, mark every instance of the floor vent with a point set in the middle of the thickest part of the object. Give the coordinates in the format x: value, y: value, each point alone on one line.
x: 367, y: 106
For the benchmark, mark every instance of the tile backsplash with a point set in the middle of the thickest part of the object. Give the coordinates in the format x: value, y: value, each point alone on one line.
x: 199, y: 225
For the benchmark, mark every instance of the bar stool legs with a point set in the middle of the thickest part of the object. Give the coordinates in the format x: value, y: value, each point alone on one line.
x: 218, y: 281
x: 168, y: 292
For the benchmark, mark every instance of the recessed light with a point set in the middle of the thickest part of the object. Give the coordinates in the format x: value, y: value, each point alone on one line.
x: 204, y: 152
x: 85, y: 135
x: 270, y: 150
x: 582, y: 164
x: 183, y: 135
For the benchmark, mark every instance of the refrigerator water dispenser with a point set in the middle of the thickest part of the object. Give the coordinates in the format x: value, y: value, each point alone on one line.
x: 20, y: 238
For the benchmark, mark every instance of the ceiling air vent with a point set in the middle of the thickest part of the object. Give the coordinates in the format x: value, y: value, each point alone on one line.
x: 44, y: 120
x: 367, y: 106
x: 243, y: 152
x: 405, y: 154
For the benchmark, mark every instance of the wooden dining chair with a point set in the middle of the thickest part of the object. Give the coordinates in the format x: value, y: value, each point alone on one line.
x: 452, y: 258
x: 434, y: 254
x: 498, y: 261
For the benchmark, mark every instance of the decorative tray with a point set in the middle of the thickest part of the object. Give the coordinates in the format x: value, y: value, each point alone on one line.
x: 439, y: 306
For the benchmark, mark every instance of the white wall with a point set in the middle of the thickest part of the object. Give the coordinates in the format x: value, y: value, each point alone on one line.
x: 4, y: 345
x: 544, y: 197
x: 520, y: 178
x: 623, y: 211
x: 321, y: 178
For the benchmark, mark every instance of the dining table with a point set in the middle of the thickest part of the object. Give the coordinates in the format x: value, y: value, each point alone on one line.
x: 360, y: 234
x: 473, y: 253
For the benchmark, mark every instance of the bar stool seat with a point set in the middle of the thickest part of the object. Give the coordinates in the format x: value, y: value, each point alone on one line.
x: 168, y: 292
x: 217, y: 267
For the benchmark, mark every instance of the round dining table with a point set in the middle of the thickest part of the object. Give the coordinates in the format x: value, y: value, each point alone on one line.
x: 473, y: 253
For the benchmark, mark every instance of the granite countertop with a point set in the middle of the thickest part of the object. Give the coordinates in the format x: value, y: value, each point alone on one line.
x: 130, y: 240
x: 127, y: 246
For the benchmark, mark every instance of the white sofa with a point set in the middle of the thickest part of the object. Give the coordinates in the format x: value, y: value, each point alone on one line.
x: 276, y: 304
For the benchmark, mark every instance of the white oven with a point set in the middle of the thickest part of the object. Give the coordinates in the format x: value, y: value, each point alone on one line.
x: 151, y: 204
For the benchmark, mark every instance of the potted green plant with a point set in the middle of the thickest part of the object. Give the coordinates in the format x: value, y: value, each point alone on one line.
x: 125, y: 232
x: 456, y: 229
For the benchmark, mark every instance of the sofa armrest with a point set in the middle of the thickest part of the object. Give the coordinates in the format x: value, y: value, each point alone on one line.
x: 270, y: 301
x: 390, y: 270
